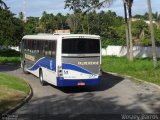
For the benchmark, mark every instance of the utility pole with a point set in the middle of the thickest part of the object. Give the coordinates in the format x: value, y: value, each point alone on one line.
x: 24, y: 11
x: 152, y: 35
x: 88, y: 18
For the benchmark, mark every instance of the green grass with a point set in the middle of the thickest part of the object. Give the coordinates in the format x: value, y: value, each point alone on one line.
x: 139, y: 68
x: 9, y: 60
x: 9, y: 56
x: 12, y: 90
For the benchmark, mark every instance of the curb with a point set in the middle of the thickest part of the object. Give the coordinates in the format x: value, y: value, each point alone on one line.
x: 9, y: 63
x: 25, y: 100
x: 132, y: 78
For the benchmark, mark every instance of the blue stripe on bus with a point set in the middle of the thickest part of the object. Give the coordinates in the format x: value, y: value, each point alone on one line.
x: 44, y: 62
x: 69, y: 82
x: 75, y: 68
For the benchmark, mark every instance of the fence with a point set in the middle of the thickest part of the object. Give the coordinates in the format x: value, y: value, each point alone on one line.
x: 138, y: 51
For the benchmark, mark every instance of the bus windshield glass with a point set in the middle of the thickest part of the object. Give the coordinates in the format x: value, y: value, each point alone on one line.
x: 80, y: 46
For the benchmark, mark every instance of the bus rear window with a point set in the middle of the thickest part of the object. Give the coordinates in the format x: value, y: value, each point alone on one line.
x: 80, y: 46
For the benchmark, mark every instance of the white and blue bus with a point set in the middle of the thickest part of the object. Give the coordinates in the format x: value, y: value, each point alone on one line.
x: 63, y: 59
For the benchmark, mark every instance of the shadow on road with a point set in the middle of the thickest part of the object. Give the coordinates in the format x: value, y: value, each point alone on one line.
x: 9, y: 67
x: 108, y: 81
x: 74, y: 106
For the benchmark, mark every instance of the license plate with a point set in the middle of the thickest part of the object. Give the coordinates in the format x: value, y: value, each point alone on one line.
x: 81, y: 84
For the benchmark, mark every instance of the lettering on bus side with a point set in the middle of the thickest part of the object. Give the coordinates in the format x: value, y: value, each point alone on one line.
x: 65, y: 71
x: 29, y: 57
x: 88, y: 63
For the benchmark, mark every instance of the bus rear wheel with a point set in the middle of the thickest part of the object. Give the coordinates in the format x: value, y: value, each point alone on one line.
x: 43, y: 83
x: 24, y: 68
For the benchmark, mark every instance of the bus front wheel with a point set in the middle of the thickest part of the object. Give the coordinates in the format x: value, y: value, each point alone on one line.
x: 43, y: 83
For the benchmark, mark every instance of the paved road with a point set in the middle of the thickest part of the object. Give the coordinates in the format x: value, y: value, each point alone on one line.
x: 114, y: 95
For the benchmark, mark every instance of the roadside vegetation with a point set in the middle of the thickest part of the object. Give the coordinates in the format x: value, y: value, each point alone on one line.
x: 107, y: 24
x: 9, y: 56
x: 12, y: 91
x: 139, y: 68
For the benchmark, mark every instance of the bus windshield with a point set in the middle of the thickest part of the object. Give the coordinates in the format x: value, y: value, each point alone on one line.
x: 80, y: 46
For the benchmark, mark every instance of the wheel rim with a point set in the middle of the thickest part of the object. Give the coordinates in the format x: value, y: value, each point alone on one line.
x: 41, y: 77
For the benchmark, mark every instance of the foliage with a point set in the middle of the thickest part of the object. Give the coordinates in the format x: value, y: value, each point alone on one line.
x: 11, y: 30
x: 139, y: 68
x: 50, y: 22
x: 146, y: 16
x: 84, y: 19
x: 4, y: 60
x: 80, y: 5
x: 138, y: 27
x: 157, y: 36
x: 9, y: 53
x: 31, y: 26
x: 9, y: 56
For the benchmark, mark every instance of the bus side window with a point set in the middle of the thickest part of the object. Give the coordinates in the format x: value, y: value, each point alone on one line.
x: 32, y: 42
x: 38, y: 47
x: 53, y: 49
x: 50, y: 49
x: 35, y: 46
x: 41, y: 47
x: 26, y: 45
x: 46, y: 48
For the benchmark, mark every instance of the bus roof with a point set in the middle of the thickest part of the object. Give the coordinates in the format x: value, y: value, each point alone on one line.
x: 56, y: 36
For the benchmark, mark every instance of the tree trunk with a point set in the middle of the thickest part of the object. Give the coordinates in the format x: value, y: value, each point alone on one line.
x: 152, y: 35
x: 130, y: 31
x: 126, y: 28
x: 130, y: 40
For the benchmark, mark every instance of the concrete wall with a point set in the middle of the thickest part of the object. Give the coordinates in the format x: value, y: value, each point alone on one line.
x: 138, y: 51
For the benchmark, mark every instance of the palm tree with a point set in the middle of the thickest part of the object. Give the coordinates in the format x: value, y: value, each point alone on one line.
x: 152, y: 35
x: 129, y: 5
x: 126, y: 27
x: 3, y: 5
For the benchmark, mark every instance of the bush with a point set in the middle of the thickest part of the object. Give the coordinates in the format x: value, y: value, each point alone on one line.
x: 9, y: 53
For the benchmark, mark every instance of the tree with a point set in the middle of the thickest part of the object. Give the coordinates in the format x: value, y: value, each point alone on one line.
x: 129, y: 5
x: 126, y: 27
x: 152, y: 35
x: 21, y: 16
x: 3, y: 5
x: 81, y: 7
x: 48, y: 23
x: 11, y: 30
x: 77, y: 6
x: 31, y: 26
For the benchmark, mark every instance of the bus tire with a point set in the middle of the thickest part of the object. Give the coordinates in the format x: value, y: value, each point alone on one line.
x: 24, y: 68
x: 43, y: 83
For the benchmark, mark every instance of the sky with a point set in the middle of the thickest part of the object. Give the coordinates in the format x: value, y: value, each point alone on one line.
x: 36, y: 7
